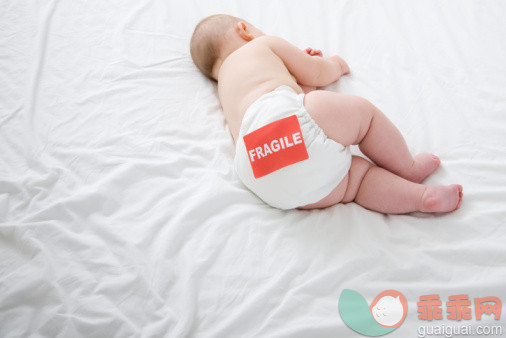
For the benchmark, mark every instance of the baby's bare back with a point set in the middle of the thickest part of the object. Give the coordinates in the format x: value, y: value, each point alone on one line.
x: 246, y: 74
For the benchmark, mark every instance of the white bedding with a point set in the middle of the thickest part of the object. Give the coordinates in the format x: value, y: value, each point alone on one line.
x: 121, y: 216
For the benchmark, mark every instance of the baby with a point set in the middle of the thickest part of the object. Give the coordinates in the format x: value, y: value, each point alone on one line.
x: 293, y: 142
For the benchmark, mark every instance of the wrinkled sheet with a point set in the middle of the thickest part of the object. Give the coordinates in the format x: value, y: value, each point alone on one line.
x: 121, y: 216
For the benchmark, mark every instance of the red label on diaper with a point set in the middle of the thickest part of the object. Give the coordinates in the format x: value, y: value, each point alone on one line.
x: 275, y: 146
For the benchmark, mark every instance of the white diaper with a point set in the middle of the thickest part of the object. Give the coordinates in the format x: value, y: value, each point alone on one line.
x: 271, y: 147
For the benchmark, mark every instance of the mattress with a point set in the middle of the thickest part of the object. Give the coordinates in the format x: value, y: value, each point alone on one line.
x: 120, y: 212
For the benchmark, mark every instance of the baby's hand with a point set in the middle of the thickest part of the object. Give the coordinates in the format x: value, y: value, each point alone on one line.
x: 314, y: 52
x: 344, y: 66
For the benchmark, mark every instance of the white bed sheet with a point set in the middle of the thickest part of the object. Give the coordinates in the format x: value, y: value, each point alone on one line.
x: 121, y: 216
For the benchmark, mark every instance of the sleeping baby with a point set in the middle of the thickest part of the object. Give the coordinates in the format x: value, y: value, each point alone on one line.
x: 293, y: 141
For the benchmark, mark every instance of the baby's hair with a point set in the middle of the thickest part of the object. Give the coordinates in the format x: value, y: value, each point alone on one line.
x: 207, y: 38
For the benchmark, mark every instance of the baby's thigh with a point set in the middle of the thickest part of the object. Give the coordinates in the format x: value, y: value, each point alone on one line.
x: 343, y: 118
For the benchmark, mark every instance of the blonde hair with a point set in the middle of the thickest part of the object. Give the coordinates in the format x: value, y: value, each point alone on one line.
x: 207, y: 39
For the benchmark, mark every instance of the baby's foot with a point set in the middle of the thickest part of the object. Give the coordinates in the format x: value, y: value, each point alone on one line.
x: 441, y: 198
x: 423, y: 166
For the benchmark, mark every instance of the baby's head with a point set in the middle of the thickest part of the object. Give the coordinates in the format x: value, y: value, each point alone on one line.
x: 215, y: 37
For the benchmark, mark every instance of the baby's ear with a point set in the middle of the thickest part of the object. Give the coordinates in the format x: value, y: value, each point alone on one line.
x: 243, y: 33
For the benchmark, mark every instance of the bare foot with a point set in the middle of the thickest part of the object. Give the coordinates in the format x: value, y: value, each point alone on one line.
x: 423, y: 166
x: 441, y: 198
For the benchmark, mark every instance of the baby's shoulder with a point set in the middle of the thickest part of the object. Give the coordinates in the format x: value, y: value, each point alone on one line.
x: 267, y: 40
x: 261, y: 44
x: 274, y: 43
x: 255, y: 46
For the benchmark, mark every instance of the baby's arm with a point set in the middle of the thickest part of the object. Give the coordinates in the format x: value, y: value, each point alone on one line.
x: 308, y: 70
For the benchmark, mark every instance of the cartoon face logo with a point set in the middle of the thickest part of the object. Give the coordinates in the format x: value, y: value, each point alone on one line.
x: 389, y: 308
x: 386, y: 312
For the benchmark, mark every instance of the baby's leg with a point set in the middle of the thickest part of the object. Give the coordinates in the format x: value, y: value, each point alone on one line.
x: 380, y: 190
x: 351, y: 119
